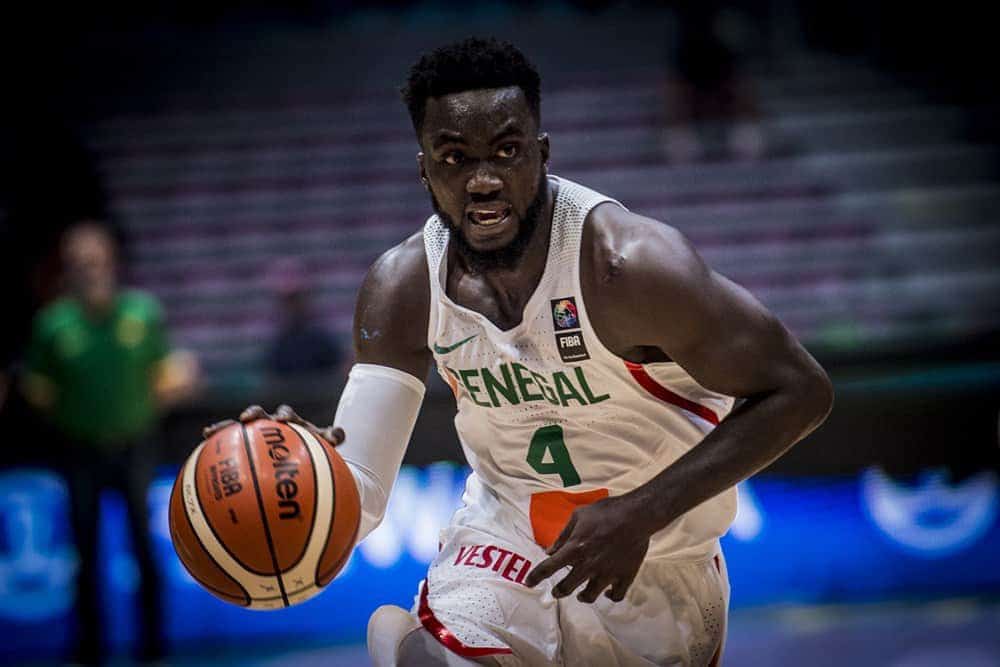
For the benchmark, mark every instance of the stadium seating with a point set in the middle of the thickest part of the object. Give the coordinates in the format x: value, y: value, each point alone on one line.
x: 871, y: 212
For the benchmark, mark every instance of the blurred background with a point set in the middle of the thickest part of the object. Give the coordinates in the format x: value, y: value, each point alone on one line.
x: 216, y: 177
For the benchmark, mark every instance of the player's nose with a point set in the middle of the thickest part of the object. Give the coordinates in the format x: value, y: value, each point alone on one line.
x: 483, y: 182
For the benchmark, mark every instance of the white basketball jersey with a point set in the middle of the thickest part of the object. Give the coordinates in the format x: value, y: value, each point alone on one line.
x: 548, y: 417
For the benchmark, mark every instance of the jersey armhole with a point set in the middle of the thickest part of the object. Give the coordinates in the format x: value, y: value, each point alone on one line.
x: 588, y: 325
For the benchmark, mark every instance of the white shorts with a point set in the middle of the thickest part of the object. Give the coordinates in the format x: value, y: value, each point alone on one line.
x: 474, y: 602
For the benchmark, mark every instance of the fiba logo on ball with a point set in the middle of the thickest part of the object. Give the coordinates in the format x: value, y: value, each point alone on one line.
x: 264, y: 515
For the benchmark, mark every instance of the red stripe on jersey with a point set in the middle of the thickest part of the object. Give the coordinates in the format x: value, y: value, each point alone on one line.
x: 444, y: 635
x: 667, y: 396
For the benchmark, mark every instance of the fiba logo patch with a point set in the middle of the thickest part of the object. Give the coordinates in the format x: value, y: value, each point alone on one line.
x: 564, y: 314
x: 571, y: 346
x: 932, y: 518
x: 569, y: 343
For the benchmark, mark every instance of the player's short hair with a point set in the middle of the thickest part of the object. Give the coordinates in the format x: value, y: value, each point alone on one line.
x: 471, y: 64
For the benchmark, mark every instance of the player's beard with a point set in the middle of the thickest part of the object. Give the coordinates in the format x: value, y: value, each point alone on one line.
x: 508, y: 256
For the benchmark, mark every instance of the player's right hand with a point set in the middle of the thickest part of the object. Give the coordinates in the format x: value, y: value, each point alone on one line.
x: 332, y: 434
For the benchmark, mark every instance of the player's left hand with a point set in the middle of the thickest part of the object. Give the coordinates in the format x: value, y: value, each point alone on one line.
x: 603, y: 546
x: 332, y: 434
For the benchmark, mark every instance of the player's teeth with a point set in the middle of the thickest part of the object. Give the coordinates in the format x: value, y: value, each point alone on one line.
x: 488, y: 217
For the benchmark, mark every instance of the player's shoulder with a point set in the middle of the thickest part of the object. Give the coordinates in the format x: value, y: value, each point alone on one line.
x: 637, y: 275
x: 58, y: 314
x: 622, y: 248
x: 396, y: 291
x: 400, y: 271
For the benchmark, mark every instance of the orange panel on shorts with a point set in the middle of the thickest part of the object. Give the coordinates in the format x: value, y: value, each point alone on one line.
x: 550, y: 511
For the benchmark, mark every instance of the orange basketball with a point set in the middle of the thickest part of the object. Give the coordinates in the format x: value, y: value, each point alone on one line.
x: 264, y: 514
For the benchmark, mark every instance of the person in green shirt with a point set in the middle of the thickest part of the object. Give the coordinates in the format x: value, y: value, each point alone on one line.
x: 100, y: 369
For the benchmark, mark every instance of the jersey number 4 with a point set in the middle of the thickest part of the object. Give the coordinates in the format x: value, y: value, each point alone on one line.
x: 549, y: 439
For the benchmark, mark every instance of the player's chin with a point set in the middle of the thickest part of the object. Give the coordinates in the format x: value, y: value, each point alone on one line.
x: 495, y: 236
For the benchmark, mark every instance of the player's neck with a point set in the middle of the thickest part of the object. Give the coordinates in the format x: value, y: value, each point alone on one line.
x: 97, y: 308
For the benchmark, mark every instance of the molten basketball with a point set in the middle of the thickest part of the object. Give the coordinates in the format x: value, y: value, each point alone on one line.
x: 264, y: 514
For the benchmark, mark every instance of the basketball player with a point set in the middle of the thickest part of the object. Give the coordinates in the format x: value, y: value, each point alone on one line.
x: 595, y: 361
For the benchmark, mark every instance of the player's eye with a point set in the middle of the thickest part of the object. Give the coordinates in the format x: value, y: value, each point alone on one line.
x: 507, y: 151
x: 453, y: 157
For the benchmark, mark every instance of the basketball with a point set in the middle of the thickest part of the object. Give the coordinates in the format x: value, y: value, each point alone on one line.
x: 264, y: 515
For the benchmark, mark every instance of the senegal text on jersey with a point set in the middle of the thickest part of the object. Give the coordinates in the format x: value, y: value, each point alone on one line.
x: 515, y: 385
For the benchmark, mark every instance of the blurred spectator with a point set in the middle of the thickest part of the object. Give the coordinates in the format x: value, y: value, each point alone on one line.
x: 302, y: 347
x: 705, y: 84
x: 99, y: 368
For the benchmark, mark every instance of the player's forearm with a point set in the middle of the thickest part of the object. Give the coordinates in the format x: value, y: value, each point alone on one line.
x: 754, y: 435
x: 377, y: 411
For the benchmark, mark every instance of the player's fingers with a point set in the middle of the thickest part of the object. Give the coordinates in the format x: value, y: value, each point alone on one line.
x: 620, y: 588
x: 595, y: 587
x: 334, y: 435
x: 572, y: 581
x: 548, y: 567
x: 211, y: 430
x: 285, y: 413
x: 252, y: 413
x: 563, y: 536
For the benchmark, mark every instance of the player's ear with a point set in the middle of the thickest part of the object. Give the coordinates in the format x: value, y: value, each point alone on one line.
x: 543, y: 145
x: 423, y: 171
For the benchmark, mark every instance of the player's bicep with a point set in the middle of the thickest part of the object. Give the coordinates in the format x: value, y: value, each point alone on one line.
x: 731, y: 343
x: 715, y: 329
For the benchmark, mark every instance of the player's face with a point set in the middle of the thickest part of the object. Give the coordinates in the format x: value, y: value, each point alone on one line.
x: 89, y: 258
x: 483, y: 161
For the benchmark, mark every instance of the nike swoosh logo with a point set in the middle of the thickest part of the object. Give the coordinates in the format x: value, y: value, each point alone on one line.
x: 448, y: 348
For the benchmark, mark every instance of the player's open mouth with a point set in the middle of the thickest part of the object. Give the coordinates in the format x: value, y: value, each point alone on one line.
x: 488, y: 216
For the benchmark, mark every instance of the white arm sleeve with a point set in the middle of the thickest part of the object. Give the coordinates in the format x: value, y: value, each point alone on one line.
x: 377, y: 411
